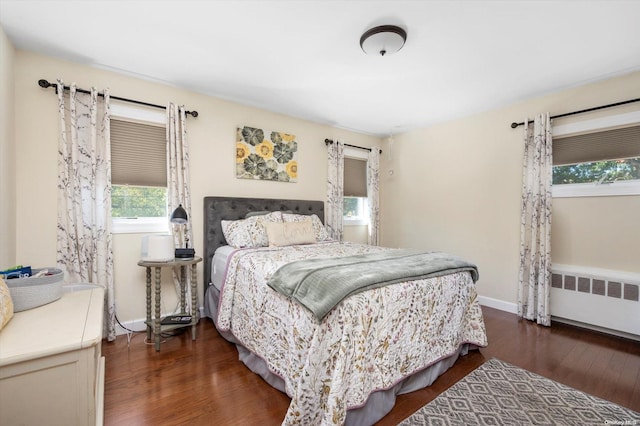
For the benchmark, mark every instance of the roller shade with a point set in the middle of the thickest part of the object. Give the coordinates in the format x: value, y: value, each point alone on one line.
x: 138, y: 154
x: 355, y: 178
x: 605, y: 145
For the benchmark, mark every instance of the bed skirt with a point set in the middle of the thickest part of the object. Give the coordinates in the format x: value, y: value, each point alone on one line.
x: 379, y: 402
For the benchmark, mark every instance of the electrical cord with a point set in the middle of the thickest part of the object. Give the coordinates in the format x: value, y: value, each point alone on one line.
x: 125, y: 328
x: 130, y: 333
x: 165, y: 335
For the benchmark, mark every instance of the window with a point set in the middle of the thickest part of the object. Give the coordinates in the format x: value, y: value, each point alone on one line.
x: 355, y: 210
x: 608, y: 171
x: 600, y: 163
x: 138, y: 174
x: 355, y: 191
x: 132, y: 201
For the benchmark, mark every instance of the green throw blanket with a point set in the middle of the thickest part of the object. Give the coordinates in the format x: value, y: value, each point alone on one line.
x: 320, y: 284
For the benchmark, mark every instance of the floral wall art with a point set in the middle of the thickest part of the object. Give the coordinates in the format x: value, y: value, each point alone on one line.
x: 266, y: 155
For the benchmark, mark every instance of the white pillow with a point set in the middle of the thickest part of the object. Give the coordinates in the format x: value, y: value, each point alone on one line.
x: 290, y: 233
x: 318, y: 228
x: 250, y: 232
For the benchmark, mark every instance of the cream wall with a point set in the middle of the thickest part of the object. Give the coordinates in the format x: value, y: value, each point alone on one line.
x: 456, y: 187
x: 356, y: 233
x: 212, y: 152
x: 601, y: 233
x: 7, y: 155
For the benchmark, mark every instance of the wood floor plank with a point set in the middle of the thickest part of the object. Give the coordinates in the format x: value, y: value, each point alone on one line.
x: 202, y: 382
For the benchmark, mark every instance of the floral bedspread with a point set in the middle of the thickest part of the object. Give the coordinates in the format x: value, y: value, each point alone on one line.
x: 368, y: 342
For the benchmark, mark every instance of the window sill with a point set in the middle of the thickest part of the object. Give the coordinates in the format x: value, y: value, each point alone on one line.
x: 631, y: 187
x: 139, y: 226
x: 354, y: 222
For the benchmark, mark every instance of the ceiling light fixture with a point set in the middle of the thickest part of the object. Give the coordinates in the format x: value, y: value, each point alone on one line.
x: 383, y: 40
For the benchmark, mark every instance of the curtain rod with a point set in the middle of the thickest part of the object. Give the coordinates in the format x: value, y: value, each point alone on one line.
x: 45, y: 85
x: 514, y: 124
x: 328, y: 141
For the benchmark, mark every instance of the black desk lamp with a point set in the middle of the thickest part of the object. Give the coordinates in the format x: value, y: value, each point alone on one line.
x: 179, y: 217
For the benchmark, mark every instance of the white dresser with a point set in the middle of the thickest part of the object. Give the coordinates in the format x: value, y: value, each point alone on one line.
x: 51, y: 365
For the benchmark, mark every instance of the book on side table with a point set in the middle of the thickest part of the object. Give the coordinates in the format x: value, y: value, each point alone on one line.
x: 176, y: 319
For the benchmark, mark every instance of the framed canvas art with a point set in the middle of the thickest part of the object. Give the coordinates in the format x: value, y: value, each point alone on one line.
x: 266, y: 155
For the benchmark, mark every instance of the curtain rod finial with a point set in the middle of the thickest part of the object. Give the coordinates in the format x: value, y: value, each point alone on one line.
x: 44, y: 84
x: 514, y: 125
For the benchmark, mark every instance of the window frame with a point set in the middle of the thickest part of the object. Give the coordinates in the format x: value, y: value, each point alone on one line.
x: 604, y: 189
x: 138, y: 225
x: 364, y: 220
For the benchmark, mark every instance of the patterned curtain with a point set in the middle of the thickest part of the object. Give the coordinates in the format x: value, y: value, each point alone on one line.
x: 178, y: 184
x: 84, y: 244
x: 535, y: 223
x: 335, y: 190
x: 373, y: 195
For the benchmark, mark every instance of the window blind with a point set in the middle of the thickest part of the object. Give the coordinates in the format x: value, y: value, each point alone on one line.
x: 604, y: 145
x: 355, y: 178
x: 138, y: 154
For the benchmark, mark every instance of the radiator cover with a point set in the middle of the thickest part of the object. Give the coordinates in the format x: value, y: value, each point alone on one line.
x: 602, y: 298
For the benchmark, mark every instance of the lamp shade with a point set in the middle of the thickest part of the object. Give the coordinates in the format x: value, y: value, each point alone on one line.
x: 179, y: 215
x: 383, y: 40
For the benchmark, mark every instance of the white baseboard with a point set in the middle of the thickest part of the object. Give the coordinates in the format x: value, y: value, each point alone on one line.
x: 604, y: 330
x: 138, y: 325
x: 498, y: 304
x: 513, y: 308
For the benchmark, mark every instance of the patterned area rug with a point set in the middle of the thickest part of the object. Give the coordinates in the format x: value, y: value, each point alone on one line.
x: 498, y: 393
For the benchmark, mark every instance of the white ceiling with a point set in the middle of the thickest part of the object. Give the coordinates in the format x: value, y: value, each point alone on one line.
x: 303, y: 58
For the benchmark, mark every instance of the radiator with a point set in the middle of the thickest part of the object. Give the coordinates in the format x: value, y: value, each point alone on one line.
x: 603, y: 299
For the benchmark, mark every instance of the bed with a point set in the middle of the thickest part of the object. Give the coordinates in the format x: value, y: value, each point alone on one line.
x: 346, y: 364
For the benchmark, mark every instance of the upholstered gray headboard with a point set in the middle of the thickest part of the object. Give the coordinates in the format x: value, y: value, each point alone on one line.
x: 232, y: 208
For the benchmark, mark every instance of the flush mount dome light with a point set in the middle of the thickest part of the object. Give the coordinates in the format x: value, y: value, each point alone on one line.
x: 383, y: 40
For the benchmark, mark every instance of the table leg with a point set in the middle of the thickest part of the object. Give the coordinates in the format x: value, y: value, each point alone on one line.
x: 156, y: 323
x: 183, y: 288
x: 194, y: 300
x: 148, y: 304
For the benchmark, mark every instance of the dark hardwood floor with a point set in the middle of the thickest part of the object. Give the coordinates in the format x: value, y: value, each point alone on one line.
x: 203, y: 382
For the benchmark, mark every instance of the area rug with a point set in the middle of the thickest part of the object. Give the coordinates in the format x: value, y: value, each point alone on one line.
x: 498, y: 393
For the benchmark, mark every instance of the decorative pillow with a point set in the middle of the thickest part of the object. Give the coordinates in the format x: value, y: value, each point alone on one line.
x: 256, y: 213
x: 250, y: 232
x: 262, y: 213
x: 318, y: 227
x: 290, y: 233
x: 6, y: 304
